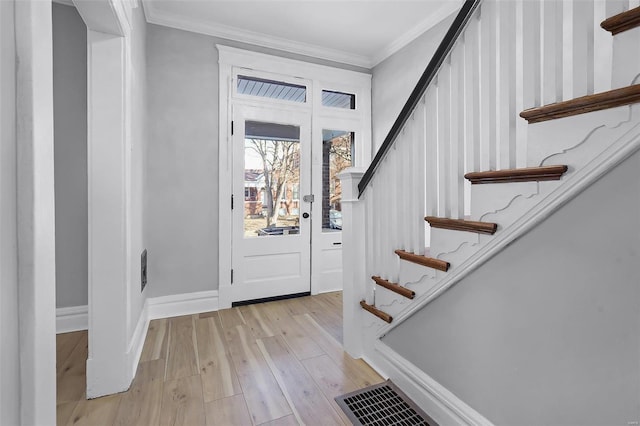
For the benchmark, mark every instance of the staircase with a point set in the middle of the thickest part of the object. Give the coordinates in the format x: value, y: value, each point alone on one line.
x: 524, y: 106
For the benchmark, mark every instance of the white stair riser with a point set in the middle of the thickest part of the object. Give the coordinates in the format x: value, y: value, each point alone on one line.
x: 445, y: 241
x: 489, y: 198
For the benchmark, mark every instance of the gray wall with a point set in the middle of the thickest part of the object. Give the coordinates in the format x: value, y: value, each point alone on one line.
x: 548, y: 331
x: 182, y: 162
x: 182, y: 158
x: 9, y: 355
x: 395, y: 77
x: 70, y: 149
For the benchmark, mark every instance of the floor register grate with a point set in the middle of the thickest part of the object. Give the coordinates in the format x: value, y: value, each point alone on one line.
x: 382, y: 404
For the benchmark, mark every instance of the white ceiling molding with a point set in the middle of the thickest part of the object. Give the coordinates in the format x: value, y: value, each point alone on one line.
x: 251, y: 37
x: 431, y: 21
x: 159, y: 16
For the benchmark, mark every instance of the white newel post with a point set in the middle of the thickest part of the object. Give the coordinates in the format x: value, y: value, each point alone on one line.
x: 353, y: 259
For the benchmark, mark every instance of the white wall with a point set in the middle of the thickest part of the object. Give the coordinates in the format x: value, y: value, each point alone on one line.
x: 9, y: 355
x: 395, y: 78
x: 547, y: 331
x: 70, y: 144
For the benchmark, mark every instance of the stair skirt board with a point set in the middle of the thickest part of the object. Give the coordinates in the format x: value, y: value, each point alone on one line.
x: 380, y: 404
x: 441, y: 405
x: 578, y: 181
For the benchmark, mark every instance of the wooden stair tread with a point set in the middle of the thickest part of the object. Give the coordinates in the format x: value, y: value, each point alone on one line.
x: 622, y: 21
x: 462, y: 225
x: 525, y: 174
x: 596, y: 102
x: 429, y: 262
x: 395, y: 287
x: 377, y: 312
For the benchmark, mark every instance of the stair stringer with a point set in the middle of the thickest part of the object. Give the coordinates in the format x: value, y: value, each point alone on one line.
x: 586, y: 148
x: 445, y: 407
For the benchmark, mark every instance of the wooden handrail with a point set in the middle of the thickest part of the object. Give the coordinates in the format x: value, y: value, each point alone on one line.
x: 456, y: 28
x: 395, y: 287
x: 462, y: 225
x: 622, y: 21
x: 429, y: 262
x: 377, y: 312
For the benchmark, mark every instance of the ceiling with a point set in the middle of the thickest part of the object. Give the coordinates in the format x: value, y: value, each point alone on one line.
x: 355, y: 32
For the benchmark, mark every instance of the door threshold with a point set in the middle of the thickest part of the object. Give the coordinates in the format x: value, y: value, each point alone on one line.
x: 269, y: 299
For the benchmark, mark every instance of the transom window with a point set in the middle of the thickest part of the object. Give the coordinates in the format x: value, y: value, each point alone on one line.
x: 264, y: 88
x: 338, y: 99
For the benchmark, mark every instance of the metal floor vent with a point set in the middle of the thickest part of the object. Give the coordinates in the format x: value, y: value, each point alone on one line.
x: 382, y: 404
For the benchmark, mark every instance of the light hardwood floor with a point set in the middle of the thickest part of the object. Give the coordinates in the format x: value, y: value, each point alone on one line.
x: 276, y: 363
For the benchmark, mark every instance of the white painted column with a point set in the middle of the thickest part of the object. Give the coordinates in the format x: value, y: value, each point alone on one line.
x: 353, y: 259
x: 107, y: 151
x: 110, y: 366
x: 9, y: 310
x: 36, y: 212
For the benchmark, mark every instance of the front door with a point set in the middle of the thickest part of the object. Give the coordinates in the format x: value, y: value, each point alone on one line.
x: 271, y: 220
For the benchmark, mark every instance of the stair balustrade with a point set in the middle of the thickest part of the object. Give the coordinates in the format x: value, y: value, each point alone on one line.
x: 498, y: 59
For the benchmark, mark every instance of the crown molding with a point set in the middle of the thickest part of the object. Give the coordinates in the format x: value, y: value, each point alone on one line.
x: 431, y: 21
x: 158, y: 17
x: 251, y: 37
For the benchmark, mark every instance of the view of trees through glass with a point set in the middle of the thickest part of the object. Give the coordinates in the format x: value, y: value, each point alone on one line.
x: 272, y: 180
x: 337, y: 155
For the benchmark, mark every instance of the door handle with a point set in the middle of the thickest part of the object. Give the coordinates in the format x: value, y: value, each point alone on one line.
x: 305, y: 215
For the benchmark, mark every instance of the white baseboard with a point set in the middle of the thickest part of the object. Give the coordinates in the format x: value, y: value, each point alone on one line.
x: 73, y: 318
x: 182, y: 304
x: 165, y: 307
x: 137, y: 339
x: 436, y: 400
x: 76, y: 318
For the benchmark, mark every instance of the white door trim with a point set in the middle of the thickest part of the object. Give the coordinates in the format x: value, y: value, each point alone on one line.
x: 35, y: 211
x: 110, y: 364
x: 319, y: 77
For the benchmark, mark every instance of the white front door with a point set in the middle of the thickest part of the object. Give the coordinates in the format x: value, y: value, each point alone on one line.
x: 271, y: 248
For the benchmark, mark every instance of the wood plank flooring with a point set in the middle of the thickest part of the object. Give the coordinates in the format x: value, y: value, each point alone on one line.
x: 275, y: 363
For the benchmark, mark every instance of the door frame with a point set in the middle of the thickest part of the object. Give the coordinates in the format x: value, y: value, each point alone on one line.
x: 233, y: 61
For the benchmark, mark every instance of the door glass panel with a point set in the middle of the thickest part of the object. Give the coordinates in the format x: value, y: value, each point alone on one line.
x: 271, y: 179
x: 337, y: 155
